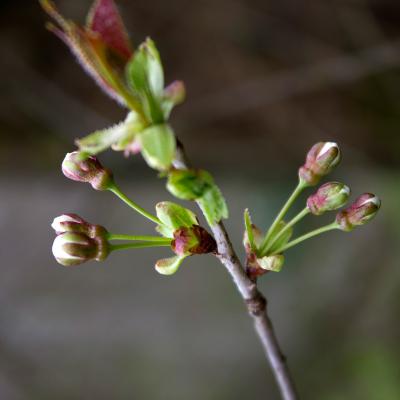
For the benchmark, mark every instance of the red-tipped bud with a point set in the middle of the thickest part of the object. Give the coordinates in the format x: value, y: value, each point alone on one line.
x: 321, y: 159
x: 328, y: 197
x: 90, y: 170
x: 72, y: 248
x: 359, y: 213
x: 74, y: 223
x: 193, y: 240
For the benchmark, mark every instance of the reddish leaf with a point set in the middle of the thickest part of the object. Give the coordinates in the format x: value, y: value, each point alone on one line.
x: 105, y: 20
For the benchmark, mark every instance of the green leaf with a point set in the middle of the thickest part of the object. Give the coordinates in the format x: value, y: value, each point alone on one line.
x: 213, y: 205
x: 175, y: 216
x: 249, y: 230
x: 168, y: 266
x: 189, y: 184
x: 158, y: 146
x: 101, y: 140
x: 145, y: 77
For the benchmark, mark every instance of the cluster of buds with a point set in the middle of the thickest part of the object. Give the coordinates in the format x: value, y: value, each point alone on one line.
x: 264, y: 252
x: 78, y: 241
x: 320, y: 161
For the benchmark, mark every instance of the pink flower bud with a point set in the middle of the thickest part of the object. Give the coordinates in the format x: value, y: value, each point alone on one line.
x: 72, y: 248
x: 321, y: 159
x: 359, y: 213
x: 328, y: 197
x: 74, y: 223
x: 193, y: 240
x: 89, y: 170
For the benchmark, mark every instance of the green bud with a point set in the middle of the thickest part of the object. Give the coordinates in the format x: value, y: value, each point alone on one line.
x: 328, y: 197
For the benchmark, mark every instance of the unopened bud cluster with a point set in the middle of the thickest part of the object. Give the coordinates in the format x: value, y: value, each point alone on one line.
x: 78, y: 241
x: 264, y: 252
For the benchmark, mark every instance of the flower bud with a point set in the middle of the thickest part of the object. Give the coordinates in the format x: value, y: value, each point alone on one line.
x: 359, y: 213
x: 321, y: 159
x: 74, y: 223
x: 193, y: 240
x: 90, y: 170
x: 328, y: 197
x: 72, y: 248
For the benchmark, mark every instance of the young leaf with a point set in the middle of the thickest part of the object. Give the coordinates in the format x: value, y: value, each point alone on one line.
x: 168, y: 266
x: 158, y: 146
x: 213, y: 205
x: 104, y: 19
x: 189, y: 184
x: 175, y: 216
x: 145, y: 76
x: 249, y: 230
x: 101, y: 140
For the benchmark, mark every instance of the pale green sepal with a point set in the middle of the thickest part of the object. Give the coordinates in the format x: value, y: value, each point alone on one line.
x: 213, y: 205
x: 101, y: 140
x: 175, y: 216
x: 158, y: 146
x: 271, y: 263
x: 168, y: 266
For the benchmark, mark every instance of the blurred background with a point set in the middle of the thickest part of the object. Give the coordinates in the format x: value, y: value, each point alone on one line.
x: 265, y: 80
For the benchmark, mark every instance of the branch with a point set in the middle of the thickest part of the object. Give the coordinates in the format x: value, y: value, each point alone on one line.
x: 253, y: 298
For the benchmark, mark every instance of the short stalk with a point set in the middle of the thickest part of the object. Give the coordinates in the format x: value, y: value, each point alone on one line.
x: 138, y: 245
x: 308, y: 235
x: 291, y: 223
x: 115, y: 189
x: 112, y: 236
x: 299, y: 188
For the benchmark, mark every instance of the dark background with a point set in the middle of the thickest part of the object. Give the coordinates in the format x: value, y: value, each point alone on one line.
x: 265, y: 80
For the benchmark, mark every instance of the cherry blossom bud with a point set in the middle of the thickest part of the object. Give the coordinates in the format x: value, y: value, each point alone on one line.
x: 328, y: 197
x: 74, y: 223
x: 193, y: 240
x: 359, y: 213
x: 72, y: 248
x: 321, y: 159
x: 90, y: 170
